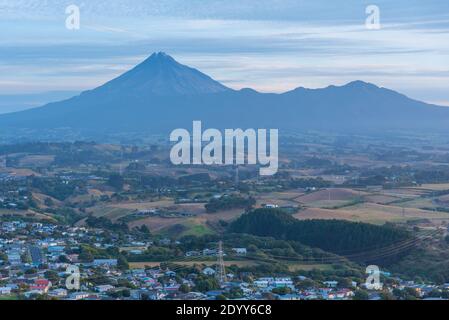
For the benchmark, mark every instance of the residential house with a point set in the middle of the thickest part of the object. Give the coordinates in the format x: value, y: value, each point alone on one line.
x: 41, y: 285
x: 58, y: 293
x: 240, y: 251
x: 5, y: 291
x: 105, y: 262
x: 104, y: 288
x: 209, y: 271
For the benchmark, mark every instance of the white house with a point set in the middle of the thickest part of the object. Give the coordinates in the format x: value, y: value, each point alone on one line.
x: 263, y: 282
x: 79, y: 295
x: 103, y: 288
x: 5, y: 290
x: 282, y: 282
x: 105, y: 262
x: 58, y: 293
x: 240, y: 251
x: 209, y: 271
x: 331, y: 284
x: 210, y: 252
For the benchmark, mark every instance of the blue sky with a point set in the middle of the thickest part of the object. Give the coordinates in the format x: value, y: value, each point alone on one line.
x: 269, y: 45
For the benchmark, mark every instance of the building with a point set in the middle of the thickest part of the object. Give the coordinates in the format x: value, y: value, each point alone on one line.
x: 273, y: 282
x: 209, y: 271
x: 104, y: 288
x: 240, y: 251
x: 210, y: 252
x: 14, y: 258
x: 55, y: 249
x: 5, y: 291
x: 331, y: 284
x: 263, y: 282
x: 40, y: 285
x: 105, y: 262
x: 282, y: 282
x: 193, y: 254
x: 79, y: 295
x: 58, y: 293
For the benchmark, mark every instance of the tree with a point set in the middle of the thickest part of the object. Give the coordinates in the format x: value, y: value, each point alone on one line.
x: 126, y: 293
x: 305, y: 284
x: 86, y: 256
x: 125, y: 283
x: 344, y: 283
x: 52, y: 276
x: 63, y: 259
x: 3, y: 257
x: 334, y: 236
x: 282, y: 291
x: 235, y: 293
x: 144, y: 229
x: 116, y: 181
x: 385, y: 295
x: 268, y: 296
x: 31, y: 271
x: 184, y: 288
x: 361, y: 295
x: 122, y: 263
x: 204, y: 284
x: 25, y: 258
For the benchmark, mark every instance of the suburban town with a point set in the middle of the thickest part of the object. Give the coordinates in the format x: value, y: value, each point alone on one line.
x: 37, y: 262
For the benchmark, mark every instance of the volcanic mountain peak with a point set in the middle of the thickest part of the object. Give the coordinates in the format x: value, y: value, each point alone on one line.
x: 160, y: 74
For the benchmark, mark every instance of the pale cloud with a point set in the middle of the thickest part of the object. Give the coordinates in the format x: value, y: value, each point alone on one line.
x: 272, y: 47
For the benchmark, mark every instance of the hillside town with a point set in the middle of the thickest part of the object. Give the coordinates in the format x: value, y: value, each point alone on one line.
x: 37, y: 262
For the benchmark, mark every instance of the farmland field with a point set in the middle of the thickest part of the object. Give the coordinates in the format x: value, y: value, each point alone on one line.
x: 371, y: 213
x: 27, y: 213
x: 374, y: 206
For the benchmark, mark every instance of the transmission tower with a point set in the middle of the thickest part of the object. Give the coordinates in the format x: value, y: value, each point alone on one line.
x: 220, y: 273
x: 121, y: 159
x: 237, y: 177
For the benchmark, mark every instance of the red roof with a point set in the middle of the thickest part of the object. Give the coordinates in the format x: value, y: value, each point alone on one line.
x: 41, y: 282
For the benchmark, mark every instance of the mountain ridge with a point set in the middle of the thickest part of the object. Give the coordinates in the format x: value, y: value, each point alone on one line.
x: 160, y: 95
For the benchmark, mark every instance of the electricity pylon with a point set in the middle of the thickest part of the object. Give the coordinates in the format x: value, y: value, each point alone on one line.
x: 220, y: 273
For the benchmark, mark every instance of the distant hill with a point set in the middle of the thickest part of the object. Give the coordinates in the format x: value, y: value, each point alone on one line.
x: 160, y: 95
x: 18, y: 102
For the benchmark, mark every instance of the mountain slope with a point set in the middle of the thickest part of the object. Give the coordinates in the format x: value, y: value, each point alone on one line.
x: 160, y: 74
x: 160, y: 95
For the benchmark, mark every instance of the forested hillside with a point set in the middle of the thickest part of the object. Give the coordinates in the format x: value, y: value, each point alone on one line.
x: 337, y: 236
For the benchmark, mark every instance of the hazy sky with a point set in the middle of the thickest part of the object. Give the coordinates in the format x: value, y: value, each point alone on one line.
x: 269, y: 45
